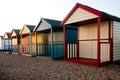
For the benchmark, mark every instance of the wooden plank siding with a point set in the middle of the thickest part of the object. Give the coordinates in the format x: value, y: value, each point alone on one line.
x: 1, y: 43
x: 7, y: 41
x: 33, y: 44
x: 80, y: 15
x: 88, y: 39
x: 57, y: 37
x: 116, y: 40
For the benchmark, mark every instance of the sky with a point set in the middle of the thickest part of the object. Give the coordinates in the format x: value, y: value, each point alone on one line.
x: 15, y: 13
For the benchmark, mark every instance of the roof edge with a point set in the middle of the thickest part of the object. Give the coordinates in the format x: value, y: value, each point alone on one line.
x: 78, y: 5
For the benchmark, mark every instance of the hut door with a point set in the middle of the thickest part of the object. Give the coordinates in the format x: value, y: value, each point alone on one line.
x: 105, y: 51
x: 45, y: 44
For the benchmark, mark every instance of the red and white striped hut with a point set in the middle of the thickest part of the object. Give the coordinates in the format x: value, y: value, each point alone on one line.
x: 98, y: 36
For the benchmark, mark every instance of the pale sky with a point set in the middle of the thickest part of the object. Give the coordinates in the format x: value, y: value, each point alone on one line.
x: 16, y: 13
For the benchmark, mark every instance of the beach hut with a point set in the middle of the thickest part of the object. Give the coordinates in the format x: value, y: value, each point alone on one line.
x: 98, y: 36
x: 1, y: 43
x: 26, y: 42
x: 15, y: 40
x: 7, y: 41
x: 49, y: 38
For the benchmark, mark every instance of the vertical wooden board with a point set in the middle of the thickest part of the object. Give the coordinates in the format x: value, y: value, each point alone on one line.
x: 6, y: 42
x: 104, y: 30
x: 105, y: 52
x: 1, y: 43
x: 39, y: 42
x: 33, y: 38
x: 57, y: 37
x: 88, y: 49
x: 71, y: 35
x: 33, y: 45
x: 47, y: 48
x: 39, y: 37
x: 45, y: 38
x: 24, y: 40
x: 49, y: 37
x: 28, y: 39
x: 57, y: 40
x: 19, y: 40
x: 116, y: 41
x: 88, y: 32
x: 14, y: 41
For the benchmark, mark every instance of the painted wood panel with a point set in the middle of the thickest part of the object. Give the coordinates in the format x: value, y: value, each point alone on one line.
x: 33, y: 45
x: 105, y: 52
x: 71, y: 35
x: 33, y: 38
x: 88, y: 39
x: 25, y: 31
x: 45, y: 38
x: 88, y: 49
x: 1, y: 43
x: 116, y: 41
x: 104, y: 30
x: 80, y: 15
x: 14, y: 41
x: 89, y: 31
x: 7, y: 44
x: 5, y: 36
x: 57, y: 37
x: 42, y: 41
x: 25, y: 44
x: 33, y: 49
x: 13, y: 34
x: 25, y: 40
x: 39, y: 37
x: 72, y: 50
x: 43, y: 26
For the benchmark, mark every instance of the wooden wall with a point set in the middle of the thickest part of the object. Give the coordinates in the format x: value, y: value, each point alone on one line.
x: 88, y: 39
x: 57, y: 37
x: 39, y: 37
x: 80, y: 15
x: 116, y: 41
x: 1, y: 43
x: 14, y: 41
x: 33, y: 43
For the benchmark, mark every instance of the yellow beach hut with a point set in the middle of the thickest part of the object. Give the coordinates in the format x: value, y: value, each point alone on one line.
x: 26, y: 40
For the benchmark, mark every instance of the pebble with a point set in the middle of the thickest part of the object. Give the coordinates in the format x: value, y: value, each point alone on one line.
x: 19, y: 67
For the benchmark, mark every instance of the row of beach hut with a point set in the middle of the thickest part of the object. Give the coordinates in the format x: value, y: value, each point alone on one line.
x: 85, y: 36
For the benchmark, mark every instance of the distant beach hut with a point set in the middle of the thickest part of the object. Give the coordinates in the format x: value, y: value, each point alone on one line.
x: 15, y: 41
x: 1, y: 43
x: 26, y: 41
x: 7, y: 41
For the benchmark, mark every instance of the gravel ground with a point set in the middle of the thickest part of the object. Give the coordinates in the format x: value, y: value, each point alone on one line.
x: 19, y: 67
